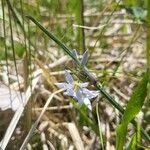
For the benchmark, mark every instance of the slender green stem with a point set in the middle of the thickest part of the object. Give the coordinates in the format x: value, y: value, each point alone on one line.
x: 80, y: 20
x: 107, y: 23
x: 13, y: 48
x: 15, y: 16
x: 148, y: 34
x: 6, y: 49
x: 147, y: 103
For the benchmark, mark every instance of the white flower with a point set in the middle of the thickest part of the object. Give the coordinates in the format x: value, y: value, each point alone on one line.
x: 84, y: 58
x: 77, y: 90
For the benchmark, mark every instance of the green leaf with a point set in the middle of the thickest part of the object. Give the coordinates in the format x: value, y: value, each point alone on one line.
x: 83, y: 110
x: 133, y: 107
x: 134, y: 3
x: 133, y: 143
x: 84, y: 115
x: 130, y: 2
x: 19, y: 49
x: 135, y: 140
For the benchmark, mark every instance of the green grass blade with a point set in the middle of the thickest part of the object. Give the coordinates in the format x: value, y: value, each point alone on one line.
x: 79, y: 10
x: 133, y: 107
x: 85, y: 118
x: 132, y: 144
x: 135, y: 140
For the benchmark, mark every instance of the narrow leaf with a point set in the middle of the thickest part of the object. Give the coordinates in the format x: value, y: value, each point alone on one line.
x: 85, y: 117
x: 133, y: 107
x: 132, y: 144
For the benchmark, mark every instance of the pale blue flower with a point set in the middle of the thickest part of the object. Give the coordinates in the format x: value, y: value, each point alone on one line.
x: 84, y: 58
x: 77, y: 90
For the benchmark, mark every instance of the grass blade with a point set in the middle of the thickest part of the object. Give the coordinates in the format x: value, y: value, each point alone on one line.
x: 133, y: 107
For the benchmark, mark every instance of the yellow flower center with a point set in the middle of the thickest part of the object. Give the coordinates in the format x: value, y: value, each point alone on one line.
x: 76, y: 86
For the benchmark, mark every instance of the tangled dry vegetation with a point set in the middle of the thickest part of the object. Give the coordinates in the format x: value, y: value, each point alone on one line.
x: 59, y: 126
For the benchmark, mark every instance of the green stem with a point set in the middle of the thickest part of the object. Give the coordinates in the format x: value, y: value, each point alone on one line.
x: 148, y: 34
x: 80, y: 21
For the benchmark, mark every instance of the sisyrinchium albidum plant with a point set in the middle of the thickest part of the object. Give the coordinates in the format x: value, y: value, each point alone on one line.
x: 90, y: 78
x: 76, y: 89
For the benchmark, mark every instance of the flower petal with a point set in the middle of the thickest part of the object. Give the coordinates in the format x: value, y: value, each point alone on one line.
x: 68, y: 77
x: 69, y: 92
x: 84, y: 58
x: 79, y: 96
x: 90, y: 94
x: 62, y: 85
x: 83, y: 85
x: 87, y: 103
x: 74, y: 52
